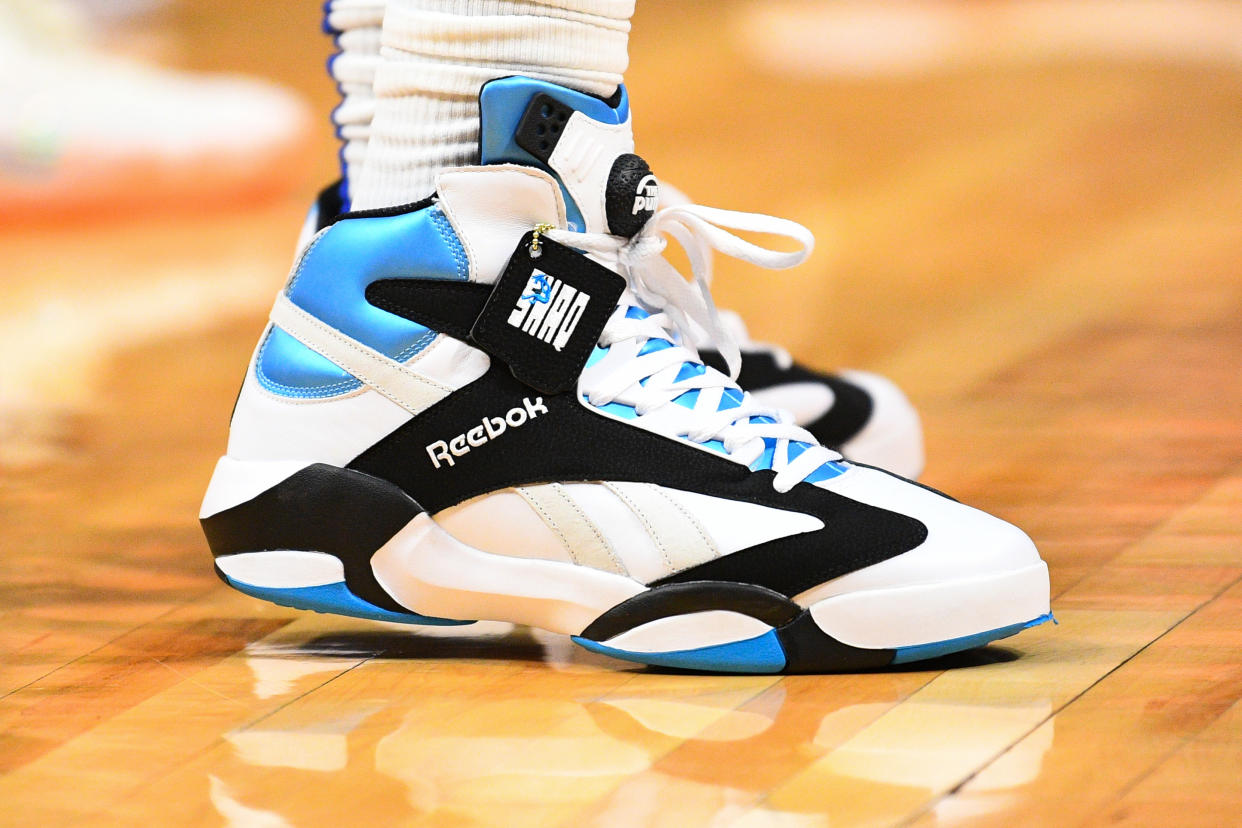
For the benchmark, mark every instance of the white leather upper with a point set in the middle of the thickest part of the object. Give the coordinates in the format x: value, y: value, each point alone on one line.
x: 491, y: 208
x: 652, y: 530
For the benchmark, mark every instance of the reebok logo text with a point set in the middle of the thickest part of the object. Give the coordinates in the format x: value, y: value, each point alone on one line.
x: 485, y: 432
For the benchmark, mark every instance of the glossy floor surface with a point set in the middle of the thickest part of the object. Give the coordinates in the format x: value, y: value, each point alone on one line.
x: 1029, y: 217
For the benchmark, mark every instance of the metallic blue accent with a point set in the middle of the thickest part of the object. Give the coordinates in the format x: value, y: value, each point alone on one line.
x: 626, y: 412
x: 919, y: 652
x: 762, y: 654
x: 503, y: 103
x: 331, y: 281
x: 653, y: 345
x: 731, y: 398
x: 288, y: 368
x: 337, y: 600
x: 688, y: 399
x: 827, y: 471
x: 690, y: 369
x: 635, y: 312
x: 768, y: 457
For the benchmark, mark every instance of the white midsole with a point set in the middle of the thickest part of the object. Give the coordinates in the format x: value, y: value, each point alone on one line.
x: 430, y: 572
x: 282, y: 568
x: 906, y: 616
x: 689, y: 632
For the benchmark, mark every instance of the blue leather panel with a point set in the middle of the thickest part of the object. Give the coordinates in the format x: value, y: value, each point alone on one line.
x: 331, y: 283
x: 287, y: 367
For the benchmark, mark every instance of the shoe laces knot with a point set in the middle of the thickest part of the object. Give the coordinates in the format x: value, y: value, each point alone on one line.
x: 699, y: 230
x: 684, y: 313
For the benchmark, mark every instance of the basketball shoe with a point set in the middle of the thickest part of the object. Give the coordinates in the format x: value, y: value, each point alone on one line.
x: 864, y: 416
x: 479, y: 406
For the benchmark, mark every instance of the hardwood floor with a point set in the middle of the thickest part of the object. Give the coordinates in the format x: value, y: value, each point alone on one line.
x: 1046, y: 252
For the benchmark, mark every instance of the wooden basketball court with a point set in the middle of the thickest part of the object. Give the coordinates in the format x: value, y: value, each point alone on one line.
x: 1032, y: 223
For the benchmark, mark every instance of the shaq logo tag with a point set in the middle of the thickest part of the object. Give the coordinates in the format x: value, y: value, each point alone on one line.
x: 546, y: 313
x: 648, y: 197
x: 549, y: 309
x: 486, y: 431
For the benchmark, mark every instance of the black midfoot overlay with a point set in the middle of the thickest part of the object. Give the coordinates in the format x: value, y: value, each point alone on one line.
x: 342, y: 512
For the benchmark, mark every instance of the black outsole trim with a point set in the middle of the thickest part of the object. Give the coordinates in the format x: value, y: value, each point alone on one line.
x: 808, y: 649
x: 700, y: 596
x: 341, y: 512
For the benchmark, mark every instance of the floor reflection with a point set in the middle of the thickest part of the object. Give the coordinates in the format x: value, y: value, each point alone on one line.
x: 457, y: 729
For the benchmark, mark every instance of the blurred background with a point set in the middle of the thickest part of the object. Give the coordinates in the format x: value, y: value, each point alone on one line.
x: 1029, y: 215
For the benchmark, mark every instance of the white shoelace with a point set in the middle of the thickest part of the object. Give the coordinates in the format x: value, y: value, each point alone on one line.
x: 670, y: 196
x: 651, y: 381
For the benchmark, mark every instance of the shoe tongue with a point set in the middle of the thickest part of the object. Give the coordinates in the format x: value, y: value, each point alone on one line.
x: 585, y: 142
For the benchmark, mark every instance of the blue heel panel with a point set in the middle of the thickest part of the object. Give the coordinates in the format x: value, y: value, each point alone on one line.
x: 935, y: 649
x: 331, y: 282
x: 288, y: 368
x: 332, y: 278
x: 762, y: 654
x: 337, y: 600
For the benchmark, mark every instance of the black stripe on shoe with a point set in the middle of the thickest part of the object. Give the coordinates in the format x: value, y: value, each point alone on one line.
x: 344, y: 513
x: 700, y: 596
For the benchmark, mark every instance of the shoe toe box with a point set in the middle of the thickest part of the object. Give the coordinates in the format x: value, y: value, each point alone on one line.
x: 962, y: 542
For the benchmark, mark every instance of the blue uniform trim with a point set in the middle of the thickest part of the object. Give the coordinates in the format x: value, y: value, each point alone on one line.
x: 503, y: 103
x: 762, y: 654
x: 336, y: 599
x: 919, y: 652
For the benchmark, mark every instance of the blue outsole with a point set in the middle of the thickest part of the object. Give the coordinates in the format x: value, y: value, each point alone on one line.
x: 335, y: 599
x: 764, y: 653
x: 922, y: 652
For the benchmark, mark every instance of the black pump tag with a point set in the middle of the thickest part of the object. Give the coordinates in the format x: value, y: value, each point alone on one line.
x: 546, y: 313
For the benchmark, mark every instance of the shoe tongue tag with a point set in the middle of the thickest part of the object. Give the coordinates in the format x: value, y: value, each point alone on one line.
x: 632, y: 195
x: 546, y: 314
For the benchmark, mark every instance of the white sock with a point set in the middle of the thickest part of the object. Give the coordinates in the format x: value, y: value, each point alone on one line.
x: 436, y: 56
x: 356, y: 24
